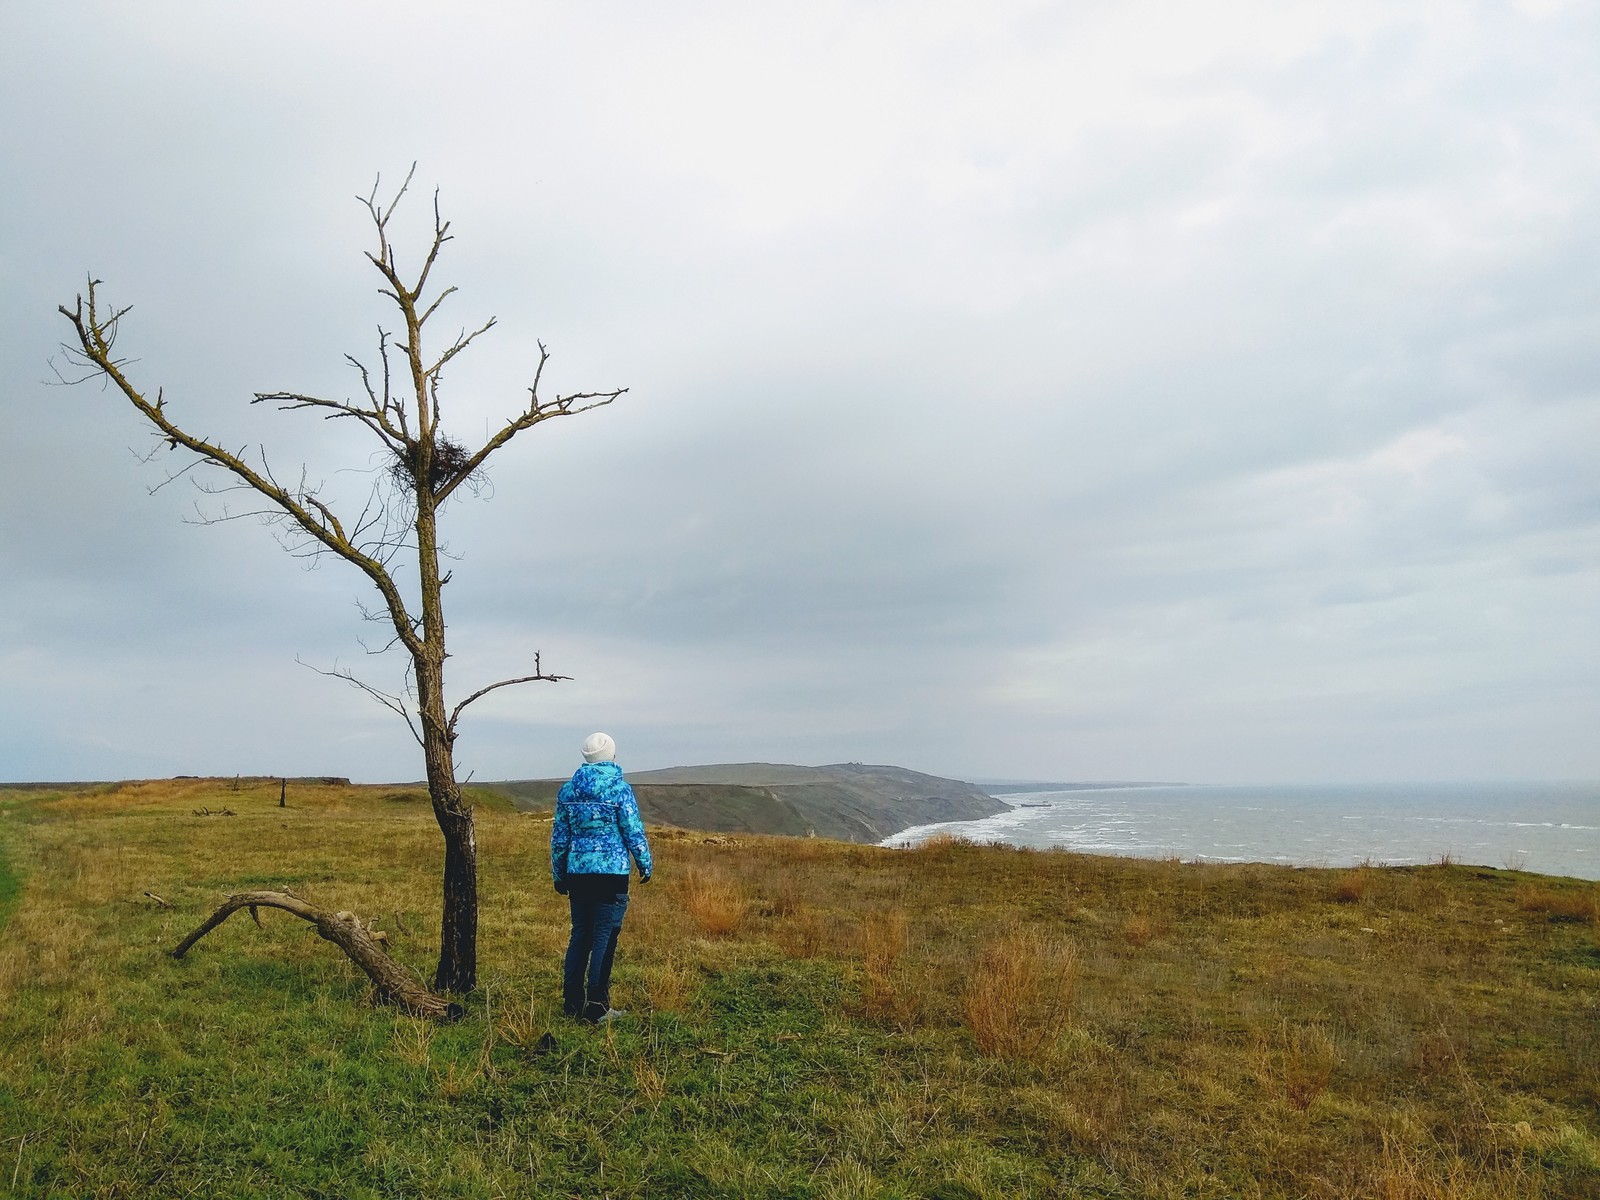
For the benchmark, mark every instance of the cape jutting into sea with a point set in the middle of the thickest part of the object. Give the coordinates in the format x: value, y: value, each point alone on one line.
x: 1551, y: 828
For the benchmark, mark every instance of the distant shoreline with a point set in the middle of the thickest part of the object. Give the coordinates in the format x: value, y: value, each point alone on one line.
x: 1013, y: 788
x: 1547, y: 828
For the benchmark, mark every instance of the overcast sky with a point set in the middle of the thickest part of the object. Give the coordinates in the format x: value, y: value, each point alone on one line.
x: 1203, y: 392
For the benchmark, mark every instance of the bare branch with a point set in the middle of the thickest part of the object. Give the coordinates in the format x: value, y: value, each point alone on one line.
x: 391, y: 404
x: 374, y: 418
x: 366, y: 379
x: 536, y: 412
x: 538, y: 676
x: 463, y: 340
x: 95, y: 338
x: 380, y: 215
x: 174, y: 476
x: 392, y: 703
x: 384, y: 259
x: 383, y: 649
x: 327, y: 514
x: 437, y: 300
x: 441, y: 235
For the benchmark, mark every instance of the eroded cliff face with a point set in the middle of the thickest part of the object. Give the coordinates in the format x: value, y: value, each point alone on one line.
x: 851, y: 802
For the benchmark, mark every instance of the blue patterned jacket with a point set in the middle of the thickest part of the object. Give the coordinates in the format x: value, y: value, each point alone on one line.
x: 597, y: 825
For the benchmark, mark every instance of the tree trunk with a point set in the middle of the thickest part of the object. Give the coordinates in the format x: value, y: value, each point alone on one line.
x: 458, y: 925
x: 458, y: 919
x: 394, y: 983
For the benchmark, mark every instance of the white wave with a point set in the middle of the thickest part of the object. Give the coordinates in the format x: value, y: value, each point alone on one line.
x: 1302, y: 825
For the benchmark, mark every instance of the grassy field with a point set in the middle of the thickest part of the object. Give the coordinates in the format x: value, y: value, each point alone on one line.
x: 805, y: 1018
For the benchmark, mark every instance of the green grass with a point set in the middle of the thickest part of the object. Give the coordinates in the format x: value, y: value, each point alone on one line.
x: 12, y: 812
x: 1215, y: 1031
x: 10, y: 885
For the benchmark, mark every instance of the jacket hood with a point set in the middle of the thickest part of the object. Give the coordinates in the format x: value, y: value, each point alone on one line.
x: 592, y: 778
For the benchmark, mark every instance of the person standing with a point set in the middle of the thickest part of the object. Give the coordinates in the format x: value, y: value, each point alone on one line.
x: 595, y: 830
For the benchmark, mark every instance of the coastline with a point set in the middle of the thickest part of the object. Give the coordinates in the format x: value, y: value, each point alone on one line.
x: 1551, y: 828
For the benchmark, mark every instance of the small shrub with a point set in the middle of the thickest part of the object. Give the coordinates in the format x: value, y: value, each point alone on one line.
x: 1432, y: 1052
x: 405, y: 797
x: 786, y: 898
x: 1561, y: 905
x: 883, y: 941
x: 518, y: 1025
x: 713, y: 901
x: 803, y: 935
x: 1019, y: 994
x: 1352, y: 886
x: 1300, y: 1063
x: 1139, y: 929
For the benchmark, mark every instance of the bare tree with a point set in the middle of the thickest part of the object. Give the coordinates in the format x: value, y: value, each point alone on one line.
x: 400, y: 406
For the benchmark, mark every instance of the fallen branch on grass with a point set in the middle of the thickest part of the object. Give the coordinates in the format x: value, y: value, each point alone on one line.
x: 395, y: 985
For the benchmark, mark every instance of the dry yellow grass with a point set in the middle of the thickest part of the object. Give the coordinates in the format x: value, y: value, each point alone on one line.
x: 883, y: 941
x: 803, y: 934
x: 1567, y: 904
x: 1138, y: 929
x: 1019, y: 994
x: 1352, y: 886
x: 1299, y: 1063
x: 671, y: 985
x: 715, y: 903
x: 1414, y: 1168
x: 939, y: 843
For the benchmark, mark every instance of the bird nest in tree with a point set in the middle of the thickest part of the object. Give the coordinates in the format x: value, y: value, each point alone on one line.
x: 449, y: 458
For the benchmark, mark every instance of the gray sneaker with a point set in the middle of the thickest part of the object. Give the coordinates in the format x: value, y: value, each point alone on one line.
x: 601, y: 1014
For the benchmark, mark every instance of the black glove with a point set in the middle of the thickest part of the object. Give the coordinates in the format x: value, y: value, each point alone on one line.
x: 561, y: 888
x: 645, y: 878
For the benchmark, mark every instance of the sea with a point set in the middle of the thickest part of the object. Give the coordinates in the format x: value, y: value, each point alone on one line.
x: 1550, y: 828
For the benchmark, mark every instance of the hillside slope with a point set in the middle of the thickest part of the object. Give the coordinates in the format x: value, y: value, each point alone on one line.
x: 849, y: 802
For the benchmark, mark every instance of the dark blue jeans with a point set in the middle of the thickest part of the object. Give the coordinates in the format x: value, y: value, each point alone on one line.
x: 586, y: 979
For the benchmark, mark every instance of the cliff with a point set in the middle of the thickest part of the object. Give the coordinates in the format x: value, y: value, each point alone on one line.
x: 849, y: 802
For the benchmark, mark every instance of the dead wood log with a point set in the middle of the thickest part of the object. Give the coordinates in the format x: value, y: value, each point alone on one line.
x: 395, y: 985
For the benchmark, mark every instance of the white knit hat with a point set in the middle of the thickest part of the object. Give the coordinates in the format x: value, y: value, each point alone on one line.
x: 599, y: 747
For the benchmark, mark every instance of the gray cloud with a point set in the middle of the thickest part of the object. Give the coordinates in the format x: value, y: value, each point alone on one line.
x: 1122, y: 390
